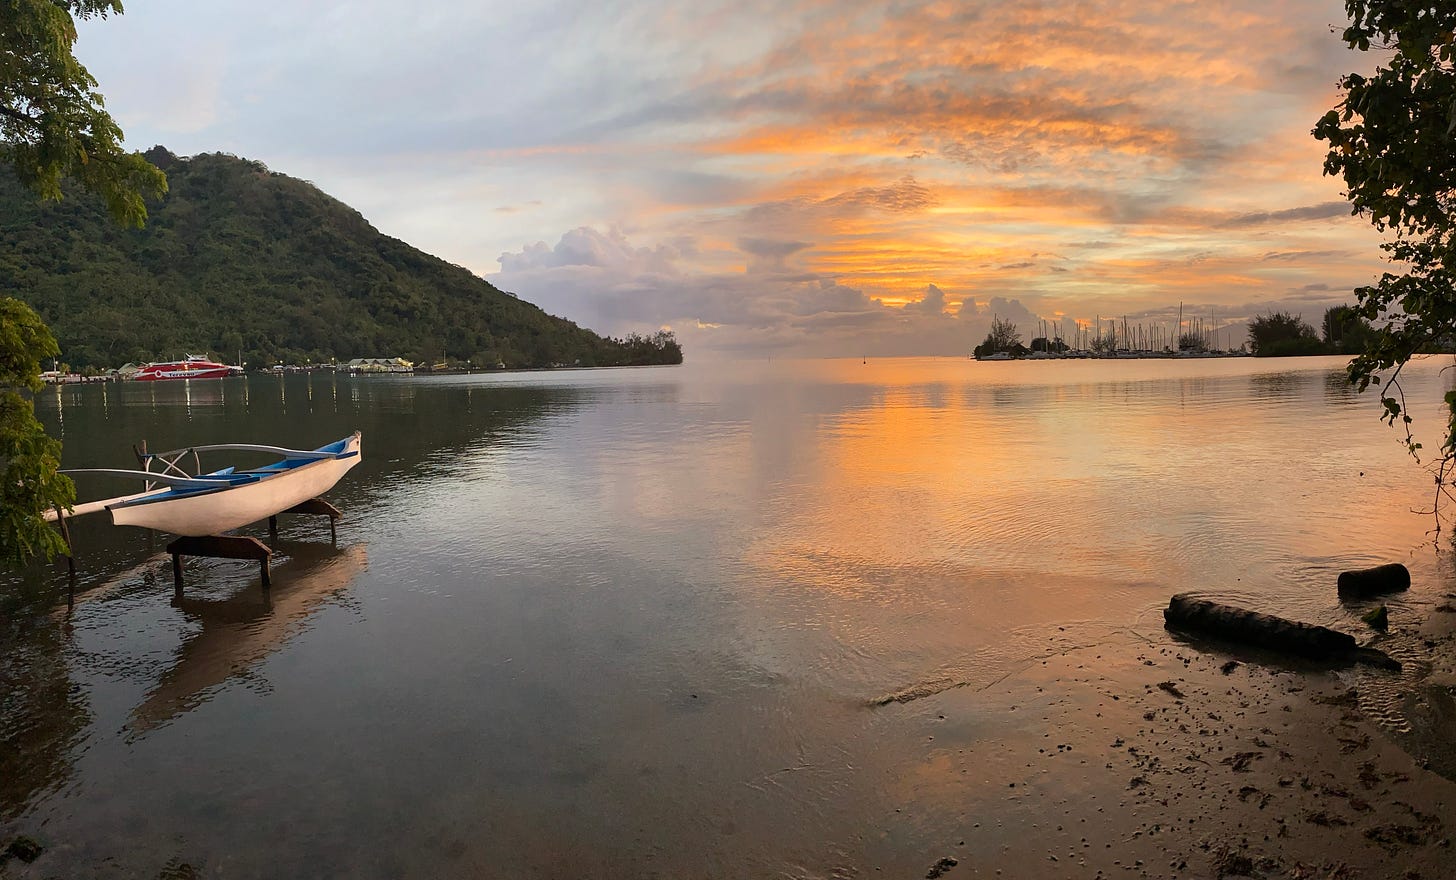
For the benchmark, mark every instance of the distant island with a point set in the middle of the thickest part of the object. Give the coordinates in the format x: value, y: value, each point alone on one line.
x: 247, y: 262
x: 1277, y: 334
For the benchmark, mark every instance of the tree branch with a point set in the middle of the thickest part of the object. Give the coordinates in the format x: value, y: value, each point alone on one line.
x: 17, y: 115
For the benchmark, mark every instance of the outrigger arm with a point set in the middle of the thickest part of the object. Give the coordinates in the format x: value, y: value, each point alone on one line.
x: 309, y: 454
x: 202, y: 481
x: 205, y: 481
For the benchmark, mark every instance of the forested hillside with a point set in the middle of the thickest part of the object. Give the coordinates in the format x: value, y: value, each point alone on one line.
x: 240, y: 258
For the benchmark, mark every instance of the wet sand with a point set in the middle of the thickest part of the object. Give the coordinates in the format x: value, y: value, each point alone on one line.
x: 1170, y: 759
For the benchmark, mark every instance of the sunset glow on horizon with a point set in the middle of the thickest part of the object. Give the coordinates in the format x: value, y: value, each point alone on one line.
x: 809, y: 178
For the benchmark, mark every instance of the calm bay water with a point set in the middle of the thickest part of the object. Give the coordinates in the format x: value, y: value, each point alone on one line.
x: 631, y: 622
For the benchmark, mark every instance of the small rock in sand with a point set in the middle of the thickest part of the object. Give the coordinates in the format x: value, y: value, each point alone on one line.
x: 24, y: 848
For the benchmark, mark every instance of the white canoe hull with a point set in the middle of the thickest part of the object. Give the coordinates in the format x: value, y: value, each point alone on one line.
x: 213, y: 513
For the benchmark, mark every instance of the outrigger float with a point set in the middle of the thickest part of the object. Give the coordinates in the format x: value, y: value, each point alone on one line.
x: 200, y: 507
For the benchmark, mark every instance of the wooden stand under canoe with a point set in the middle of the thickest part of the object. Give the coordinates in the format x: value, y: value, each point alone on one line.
x: 243, y: 547
x: 218, y: 547
x: 316, y: 506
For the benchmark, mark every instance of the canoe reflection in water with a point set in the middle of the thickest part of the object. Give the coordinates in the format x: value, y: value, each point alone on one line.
x: 239, y: 632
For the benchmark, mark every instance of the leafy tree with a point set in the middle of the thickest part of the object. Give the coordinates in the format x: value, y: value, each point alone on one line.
x: 1345, y: 332
x: 1051, y: 345
x: 1280, y: 334
x: 52, y: 126
x: 1003, y: 336
x: 668, y: 349
x: 29, y: 483
x: 1195, y: 342
x: 1392, y: 138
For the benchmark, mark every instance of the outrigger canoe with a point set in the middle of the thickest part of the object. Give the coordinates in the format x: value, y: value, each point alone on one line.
x: 219, y: 501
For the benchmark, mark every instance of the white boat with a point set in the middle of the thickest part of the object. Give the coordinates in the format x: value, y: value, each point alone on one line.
x: 219, y: 501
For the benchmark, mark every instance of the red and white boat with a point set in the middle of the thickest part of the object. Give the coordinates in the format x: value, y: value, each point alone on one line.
x: 194, y: 367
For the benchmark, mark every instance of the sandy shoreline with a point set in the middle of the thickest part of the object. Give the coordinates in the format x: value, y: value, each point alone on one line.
x: 1137, y: 754
x: 1174, y: 760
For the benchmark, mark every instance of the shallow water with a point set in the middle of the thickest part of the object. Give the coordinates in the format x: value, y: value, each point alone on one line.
x: 630, y: 622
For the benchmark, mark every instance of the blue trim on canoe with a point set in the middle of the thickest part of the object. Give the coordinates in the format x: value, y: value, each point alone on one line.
x: 174, y: 494
x: 291, y: 463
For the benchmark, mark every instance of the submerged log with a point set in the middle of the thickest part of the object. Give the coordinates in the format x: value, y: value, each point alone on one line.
x: 1387, y: 578
x: 1267, y: 631
x: 1254, y: 628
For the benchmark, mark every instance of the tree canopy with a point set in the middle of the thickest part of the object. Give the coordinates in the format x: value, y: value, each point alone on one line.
x: 1282, y: 333
x: 1345, y: 332
x: 53, y: 124
x: 52, y: 127
x: 1002, y: 337
x: 29, y: 483
x: 1392, y: 139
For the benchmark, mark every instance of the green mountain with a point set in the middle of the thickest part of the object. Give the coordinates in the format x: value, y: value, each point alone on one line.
x: 240, y: 258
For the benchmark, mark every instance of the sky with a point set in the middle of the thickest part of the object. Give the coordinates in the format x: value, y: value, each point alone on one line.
x: 795, y: 177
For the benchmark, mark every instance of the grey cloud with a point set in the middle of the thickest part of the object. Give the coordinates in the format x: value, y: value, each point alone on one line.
x: 770, y: 248
x: 1322, y: 211
x: 1296, y: 256
x: 586, y: 246
x: 933, y: 302
x: 514, y: 209
x: 601, y: 281
x: 1009, y: 310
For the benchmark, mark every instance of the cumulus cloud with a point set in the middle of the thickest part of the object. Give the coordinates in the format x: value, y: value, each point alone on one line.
x: 586, y: 247
x: 932, y: 303
x: 614, y: 287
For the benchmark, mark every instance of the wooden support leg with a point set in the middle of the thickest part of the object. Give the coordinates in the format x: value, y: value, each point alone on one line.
x: 70, y: 551
x: 220, y: 547
x: 317, y: 507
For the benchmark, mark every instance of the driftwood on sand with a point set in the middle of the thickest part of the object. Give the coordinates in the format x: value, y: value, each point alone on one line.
x: 1363, y: 582
x: 1189, y: 614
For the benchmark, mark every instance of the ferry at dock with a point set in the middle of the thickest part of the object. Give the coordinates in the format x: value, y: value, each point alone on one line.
x: 193, y: 367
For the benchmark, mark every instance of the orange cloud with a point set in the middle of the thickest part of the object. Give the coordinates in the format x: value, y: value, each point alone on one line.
x: 1104, y: 156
